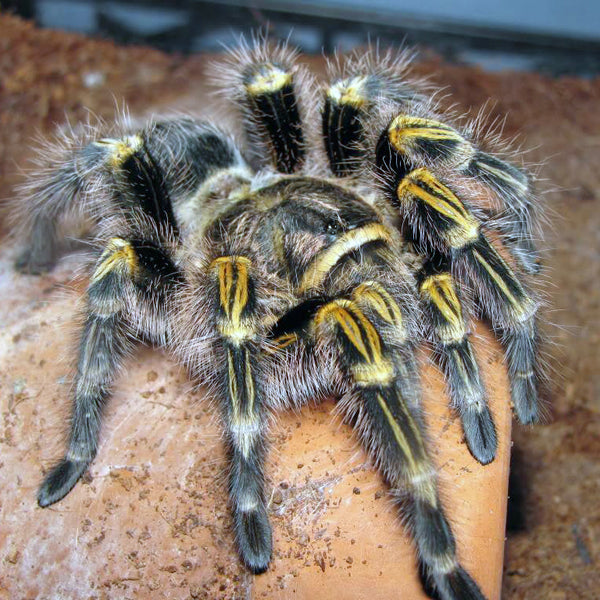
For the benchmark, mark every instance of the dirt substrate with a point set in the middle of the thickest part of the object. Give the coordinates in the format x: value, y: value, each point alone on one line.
x: 554, y: 547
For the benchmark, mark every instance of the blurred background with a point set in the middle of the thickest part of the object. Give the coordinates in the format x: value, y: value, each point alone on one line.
x: 552, y: 36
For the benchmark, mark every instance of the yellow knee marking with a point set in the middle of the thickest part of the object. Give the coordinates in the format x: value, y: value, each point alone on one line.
x: 421, y: 185
x: 407, y: 133
x: 122, y: 149
x: 119, y: 256
x: 440, y: 290
x: 355, y: 326
x: 233, y: 276
x: 267, y: 79
x: 375, y: 296
x: 349, y: 91
x: 374, y: 369
x: 322, y: 264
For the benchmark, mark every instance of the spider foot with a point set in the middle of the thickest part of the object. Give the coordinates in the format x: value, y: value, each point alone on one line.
x: 457, y: 585
x: 480, y: 433
x: 34, y: 263
x: 254, y: 539
x: 437, y: 550
x: 525, y: 398
x: 60, y: 481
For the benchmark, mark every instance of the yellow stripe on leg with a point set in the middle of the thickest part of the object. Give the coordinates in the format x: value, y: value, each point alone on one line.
x: 421, y: 185
x: 439, y: 290
x: 408, y: 133
x: 245, y: 424
x: 521, y: 307
x: 118, y: 256
x: 420, y: 473
x: 337, y: 312
x: 375, y: 296
x: 233, y: 276
x: 521, y: 186
x: 373, y: 368
x: 281, y: 342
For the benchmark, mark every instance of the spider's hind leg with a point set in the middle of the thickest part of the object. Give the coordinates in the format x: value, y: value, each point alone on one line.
x: 417, y: 137
x: 130, y: 277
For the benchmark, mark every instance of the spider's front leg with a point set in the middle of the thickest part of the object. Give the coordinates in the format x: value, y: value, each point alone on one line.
x: 243, y: 408
x: 373, y: 343
x: 125, y: 300
x: 274, y: 93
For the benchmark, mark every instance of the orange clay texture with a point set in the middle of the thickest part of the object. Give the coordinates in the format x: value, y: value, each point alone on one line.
x: 151, y: 520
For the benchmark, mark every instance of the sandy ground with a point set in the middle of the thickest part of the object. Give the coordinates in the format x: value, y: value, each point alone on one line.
x: 151, y: 518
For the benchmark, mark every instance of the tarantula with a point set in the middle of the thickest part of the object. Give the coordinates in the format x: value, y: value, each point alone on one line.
x: 291, y: 268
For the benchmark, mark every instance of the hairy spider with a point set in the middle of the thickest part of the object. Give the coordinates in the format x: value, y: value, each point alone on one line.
x: 293, y: 268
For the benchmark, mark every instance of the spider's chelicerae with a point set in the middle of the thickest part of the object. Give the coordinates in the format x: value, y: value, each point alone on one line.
x: 301, y: 264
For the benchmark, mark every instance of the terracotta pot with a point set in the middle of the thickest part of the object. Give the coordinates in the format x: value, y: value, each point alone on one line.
x: 151, y: 519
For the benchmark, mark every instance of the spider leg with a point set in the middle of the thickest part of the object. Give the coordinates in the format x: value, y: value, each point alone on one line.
x: 438, y: 220
x: 514, y: 188
x: 367, y: 330
x: 244, y: 409
x: 130, y: 278
x: 341, y: 123
x: 356, y: 84
x: 266, y: 80
x: 443, y: 307
x: 426, y: 141
x: 136, y: 181
x: 512, y: 309
x: 363, y: 86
